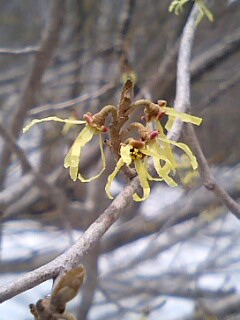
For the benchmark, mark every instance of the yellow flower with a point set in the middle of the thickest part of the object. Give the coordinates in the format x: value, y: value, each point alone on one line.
x: 72, y: 159
x: 138, y: 153
x: 155, y: 112
x: 173, y: 114
x: 130, y: 154
x: 139, y: 158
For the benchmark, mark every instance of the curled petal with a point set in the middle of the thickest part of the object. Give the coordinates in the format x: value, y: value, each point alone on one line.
x: 169, y: 123
x: 163, y: 173
x: 153, y: 150
x: 68, y: 125
x: 204, y: 11
x: 186, y: 149
x: 142, y: 173
x: 112, y: 176
x: 183, y: 116
x: 148, y: 174
x: 125, y: 154
x: 72, y: 158
x: 81, y: 178
x: 167, y: 148
x: 35, y: 121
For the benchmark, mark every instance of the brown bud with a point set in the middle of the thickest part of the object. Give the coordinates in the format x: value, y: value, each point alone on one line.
x: 162, y: 103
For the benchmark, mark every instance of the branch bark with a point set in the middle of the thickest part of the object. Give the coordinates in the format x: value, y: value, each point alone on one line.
x: 71, y: 257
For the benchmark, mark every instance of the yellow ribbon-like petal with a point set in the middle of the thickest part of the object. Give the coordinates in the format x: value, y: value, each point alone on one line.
x: 167, y: 148
x: 183, y: 116
x: 148, y: 174
x: 153, y: 150
x: 69, y: 125
x: 204, y: 11
x: 186, y: 149
x: 164, y: 173
x: 142, y: 173
x: 35, y: 121
x: 81, y: 178
x: 152, y: 153
x: 112, y: 176
x: 125, y: 154
x: 72, y: 158
x: 169, y: 123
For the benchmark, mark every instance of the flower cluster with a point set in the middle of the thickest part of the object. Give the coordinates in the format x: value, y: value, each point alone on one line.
x: 151, y: 144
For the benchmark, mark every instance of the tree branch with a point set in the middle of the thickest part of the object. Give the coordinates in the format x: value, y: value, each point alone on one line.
x: 27, y: 50
x: 207, y: 178
x: 216, y: 54
x: 71, y: 257
x: 182, y: 99
x: 182, y: 103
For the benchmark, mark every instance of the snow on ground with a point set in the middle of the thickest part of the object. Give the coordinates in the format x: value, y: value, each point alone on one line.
x: 24, y: 238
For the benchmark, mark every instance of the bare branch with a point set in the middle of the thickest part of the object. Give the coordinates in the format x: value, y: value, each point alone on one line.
x: 71, y: 258
x: 125, y: 23
x: 206, y: 175
x: 51, y: 191
x: 10, y: 142
x: 182, y: 103
x: 21, y: 51
x: 207, y: 60
x: 223, y: 87
x: 66, y: 104
x: 182, y: 99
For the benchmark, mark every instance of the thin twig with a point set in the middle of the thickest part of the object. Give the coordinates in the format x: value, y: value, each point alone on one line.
x: 10, y: 142
x: 69, y: 103
x: 40, y: 181
x: 206, y: 175
x: 20, y: 51
x: 54, y: 193
x: 229, y: 45
x: 125, y: 23
x: 222, y: 88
